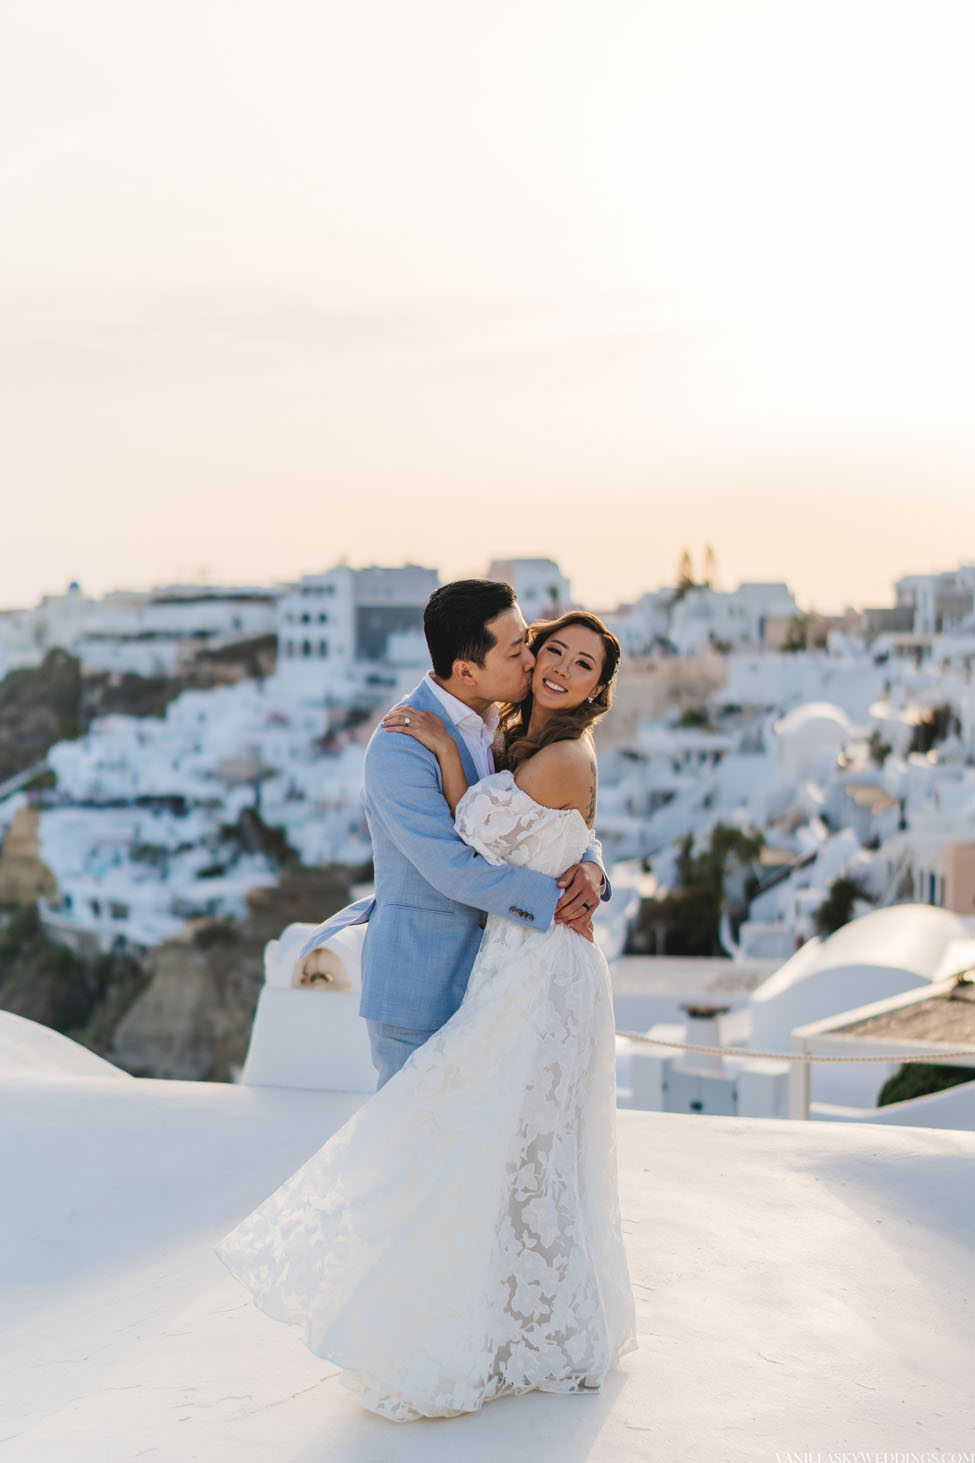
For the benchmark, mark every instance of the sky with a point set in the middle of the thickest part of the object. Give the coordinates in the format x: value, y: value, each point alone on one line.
x: 283, y: 284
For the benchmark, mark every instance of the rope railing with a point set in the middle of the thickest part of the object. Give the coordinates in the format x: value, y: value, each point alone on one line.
x: 747, y: 1051
x: 964, y: 976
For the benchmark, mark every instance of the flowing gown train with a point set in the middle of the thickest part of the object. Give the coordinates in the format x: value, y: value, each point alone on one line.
x: 458, y: 1239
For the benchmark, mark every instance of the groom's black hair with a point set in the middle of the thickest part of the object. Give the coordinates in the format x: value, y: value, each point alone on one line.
x: 456, y: 618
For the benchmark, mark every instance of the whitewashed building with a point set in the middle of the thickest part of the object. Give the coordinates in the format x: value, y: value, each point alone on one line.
x: 644, y: 626
x: 542, y: 589
x: 159, y: 633
x: 152, y: 633
x: 354, y: 635
x: 881, y: 956
x: 56, y: 622
x: 939, y: 601
x: 705, y: 616
x: 808, y: 739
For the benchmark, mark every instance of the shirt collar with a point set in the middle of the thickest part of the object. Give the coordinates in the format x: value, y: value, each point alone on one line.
x: 463, y: 716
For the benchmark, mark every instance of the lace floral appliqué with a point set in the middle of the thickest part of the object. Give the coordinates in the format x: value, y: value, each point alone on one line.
x: 459, y: 1238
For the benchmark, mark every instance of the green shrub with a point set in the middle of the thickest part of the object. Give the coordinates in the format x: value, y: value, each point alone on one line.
x: 836, y: 909
x: 917, y: 1079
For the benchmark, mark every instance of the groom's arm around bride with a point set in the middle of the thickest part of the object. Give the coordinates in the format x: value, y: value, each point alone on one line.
x: 432, y: 890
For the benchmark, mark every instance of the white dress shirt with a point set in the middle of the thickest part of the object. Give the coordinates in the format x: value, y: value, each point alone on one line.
x: 477, y: 732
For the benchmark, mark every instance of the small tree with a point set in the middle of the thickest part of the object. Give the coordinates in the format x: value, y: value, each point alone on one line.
x: 691, y: 913
x: 836, y: 909
x: 798, y: 633
x: 685, y: 577
x: 917, y: 1079
x: 879, y: 749
x: 938, y: 723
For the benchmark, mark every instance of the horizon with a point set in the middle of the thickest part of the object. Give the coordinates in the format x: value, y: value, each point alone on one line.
x: 208, y: 581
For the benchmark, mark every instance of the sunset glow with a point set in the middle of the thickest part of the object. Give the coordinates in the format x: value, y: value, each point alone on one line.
x: 286, y: 283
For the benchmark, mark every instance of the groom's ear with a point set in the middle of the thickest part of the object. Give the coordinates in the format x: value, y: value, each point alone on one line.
x: 465, y: 671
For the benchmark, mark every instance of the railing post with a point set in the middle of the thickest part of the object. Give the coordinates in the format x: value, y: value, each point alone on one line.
x: 799, y: 1081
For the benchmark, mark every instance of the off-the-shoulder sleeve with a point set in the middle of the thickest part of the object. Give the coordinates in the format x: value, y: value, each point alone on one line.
x: 496, y: 818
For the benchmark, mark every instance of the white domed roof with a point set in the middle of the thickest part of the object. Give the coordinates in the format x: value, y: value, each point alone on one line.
x: 908, y: 937
x: 823, y: 713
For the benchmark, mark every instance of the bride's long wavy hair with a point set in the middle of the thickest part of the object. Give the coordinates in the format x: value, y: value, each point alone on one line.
x: 563, y: 726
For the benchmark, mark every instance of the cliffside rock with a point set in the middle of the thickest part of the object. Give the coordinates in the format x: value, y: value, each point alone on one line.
x: 182, y: 1021
x: 80, y: 995
x: 193, y: 1021
x: 24, y: 877
x: 59, y: 699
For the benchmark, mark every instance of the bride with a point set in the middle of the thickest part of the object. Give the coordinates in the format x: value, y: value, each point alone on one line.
x: 459, y: 1238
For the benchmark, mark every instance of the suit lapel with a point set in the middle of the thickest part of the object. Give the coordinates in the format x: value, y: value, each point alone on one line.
x: 424, y: 700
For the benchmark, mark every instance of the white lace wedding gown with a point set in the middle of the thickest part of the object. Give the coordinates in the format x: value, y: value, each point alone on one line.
x: 459, y: 1238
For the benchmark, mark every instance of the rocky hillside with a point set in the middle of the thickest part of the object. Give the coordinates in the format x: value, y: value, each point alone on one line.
x: 49, y: 983
x: 24, y: 877
x: 58, y: 699
x: 193, y: 1020
x: 184, y: 1011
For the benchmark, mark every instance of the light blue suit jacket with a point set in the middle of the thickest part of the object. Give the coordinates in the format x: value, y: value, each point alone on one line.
x: 433, y: 892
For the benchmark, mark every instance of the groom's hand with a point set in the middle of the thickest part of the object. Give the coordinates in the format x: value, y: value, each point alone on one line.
x: 580, y: 885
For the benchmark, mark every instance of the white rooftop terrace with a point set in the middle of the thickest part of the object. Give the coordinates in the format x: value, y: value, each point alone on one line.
x: 800, y: 1286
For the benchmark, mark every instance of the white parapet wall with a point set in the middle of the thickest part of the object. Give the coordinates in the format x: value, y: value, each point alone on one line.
x: 307, y: 1029
x: 952, y: 1107
x: 30, y: 1050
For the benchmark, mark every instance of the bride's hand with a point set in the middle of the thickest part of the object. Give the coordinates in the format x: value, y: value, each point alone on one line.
x: 425, y: 726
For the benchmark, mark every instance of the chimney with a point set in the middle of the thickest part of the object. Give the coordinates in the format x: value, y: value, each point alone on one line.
x: 702, y: 1030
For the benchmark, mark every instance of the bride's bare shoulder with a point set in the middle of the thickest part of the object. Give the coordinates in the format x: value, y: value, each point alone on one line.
x: 561, y: 775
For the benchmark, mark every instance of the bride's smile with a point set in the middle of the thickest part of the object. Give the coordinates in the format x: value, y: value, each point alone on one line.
x: 567, y: 669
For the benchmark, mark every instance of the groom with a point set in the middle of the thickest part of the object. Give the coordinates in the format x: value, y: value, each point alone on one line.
x: 433, y: 892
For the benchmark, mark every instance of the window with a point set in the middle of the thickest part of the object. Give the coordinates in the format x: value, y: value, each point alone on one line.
x: 306, y: 647
x: 323, y: 648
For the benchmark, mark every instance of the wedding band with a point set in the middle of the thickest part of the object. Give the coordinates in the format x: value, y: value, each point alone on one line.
x: 587, y: 906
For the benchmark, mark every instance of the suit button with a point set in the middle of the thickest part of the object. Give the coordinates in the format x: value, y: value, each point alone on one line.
x: 482, y: 921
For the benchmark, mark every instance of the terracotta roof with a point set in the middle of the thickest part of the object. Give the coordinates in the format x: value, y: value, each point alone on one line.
x: 948, y: 1017
x: 871, y: 796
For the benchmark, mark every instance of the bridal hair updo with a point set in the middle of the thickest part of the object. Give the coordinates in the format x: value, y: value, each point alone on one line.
x: 562, y: 726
